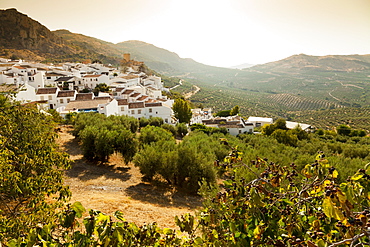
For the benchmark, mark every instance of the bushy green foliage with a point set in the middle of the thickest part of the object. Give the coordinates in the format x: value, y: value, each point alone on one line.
x: 276, y: 205
x: 284, y: 206
x: 183, y: 165
x: 158, y: 157
x: 102, y: 136
x: 31, y: 169
x: 171, y: 128
x: 181, y: 129
x: 344, y: 130
x: 155, y: 121
x: 97, y: 229
x: 182, y: 110
x: 280, y: 132
x: 223, y: 113
x: 101, y: 87
x: 207, y: 130
x: 151, y: 134
x: 143, y: 122
x: 234, y: 111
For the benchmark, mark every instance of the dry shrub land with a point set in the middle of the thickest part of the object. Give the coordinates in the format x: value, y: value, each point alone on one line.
x: 115, y: 186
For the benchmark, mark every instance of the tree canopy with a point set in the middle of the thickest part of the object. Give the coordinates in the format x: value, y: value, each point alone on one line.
x: 31, y: 169
x: 182, y: 110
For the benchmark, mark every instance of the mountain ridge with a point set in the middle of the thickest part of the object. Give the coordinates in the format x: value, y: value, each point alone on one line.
x: 310, y: 82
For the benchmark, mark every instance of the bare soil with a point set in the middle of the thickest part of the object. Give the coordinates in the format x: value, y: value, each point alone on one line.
x: 116, y: 186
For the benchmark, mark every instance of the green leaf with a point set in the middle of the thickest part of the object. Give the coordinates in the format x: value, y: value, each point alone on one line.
x: 321, y: 243
x: 328, y: 207
x: 335, y: 174
x: 78, y: 208
x: 357, y: 176
x: 119, y: 215
x: 167, y: 231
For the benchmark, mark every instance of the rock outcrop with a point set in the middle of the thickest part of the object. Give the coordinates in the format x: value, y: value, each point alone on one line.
x: 18, y: 31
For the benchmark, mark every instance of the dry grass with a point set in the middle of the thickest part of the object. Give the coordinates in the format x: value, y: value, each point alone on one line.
x: 115, y: 186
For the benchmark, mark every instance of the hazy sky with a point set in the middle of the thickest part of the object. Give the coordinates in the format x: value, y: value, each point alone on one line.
x: 215, y: 32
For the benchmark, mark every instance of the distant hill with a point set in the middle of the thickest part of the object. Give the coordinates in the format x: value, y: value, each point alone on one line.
x: 89, y: 43
x: 242, y: 66
x: 158, y: 59
x: 299, y: 82
x: 302, y: 62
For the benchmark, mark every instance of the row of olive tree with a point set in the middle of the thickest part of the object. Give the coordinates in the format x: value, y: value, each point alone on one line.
x: 101, y: 136
x: 184, y: 165
x: 261, y: 203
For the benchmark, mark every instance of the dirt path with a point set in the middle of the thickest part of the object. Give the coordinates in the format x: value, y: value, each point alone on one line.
x: 188, y: 95
x: 115, y: 186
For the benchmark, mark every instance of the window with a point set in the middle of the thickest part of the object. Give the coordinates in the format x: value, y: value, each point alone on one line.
x: 122, y: 108
x: 138, y: 111
x: 166, y: 120
x: 50, y: 97
x: 61, y: 101
x: 68, y: 100
x: 240, y: 131
x: 41, y: 97
x: 150, y: 110
x: 48, y: 77
x: 133, y: 112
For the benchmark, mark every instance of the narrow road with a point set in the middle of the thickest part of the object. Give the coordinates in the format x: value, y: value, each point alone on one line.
x: 188, y: 95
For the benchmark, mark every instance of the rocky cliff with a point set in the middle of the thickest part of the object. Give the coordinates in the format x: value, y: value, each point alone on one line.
x: 18, y: 31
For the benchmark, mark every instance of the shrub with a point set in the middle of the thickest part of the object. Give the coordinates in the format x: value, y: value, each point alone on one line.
x: 151, y: 134
x: 181, y: 129
x: 170, y: 128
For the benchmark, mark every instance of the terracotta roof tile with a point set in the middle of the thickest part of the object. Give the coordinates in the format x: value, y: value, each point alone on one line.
x: 53, y: 74
x: 128, y: 91
x: 154, y: 104
x: 84, y: 96
x: 136, y: 105
x: 64, y: 78
x: 66, y: 93
x: 86, y: 104
x: 129, y: 77
x: 19, y: 67
x: 135, y: 94
x: 143, y: 97
x: 47, y: 90
x: 122, y: 102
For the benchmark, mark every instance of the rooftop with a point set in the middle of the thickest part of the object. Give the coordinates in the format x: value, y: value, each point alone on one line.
x: 122, y: 102
x: 84, y: 96
x: 64, y: 78
x: 153, y: 104
x: 136, y: 105
x: 66, y: 93
x: 47, y: 90
x: 87, y: 104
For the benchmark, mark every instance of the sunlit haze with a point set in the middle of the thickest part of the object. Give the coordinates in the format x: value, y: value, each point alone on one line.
x: 215, y: 32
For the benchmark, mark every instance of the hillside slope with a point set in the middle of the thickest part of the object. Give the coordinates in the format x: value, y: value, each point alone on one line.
x: 28, y: 39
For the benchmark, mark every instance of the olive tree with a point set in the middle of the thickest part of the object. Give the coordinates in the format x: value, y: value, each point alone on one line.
x: 31, y: 169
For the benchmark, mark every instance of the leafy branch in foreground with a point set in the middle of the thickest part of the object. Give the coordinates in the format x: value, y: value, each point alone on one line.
x: 286, y: 207
x: 280, y: 206
x: 31, y: 169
